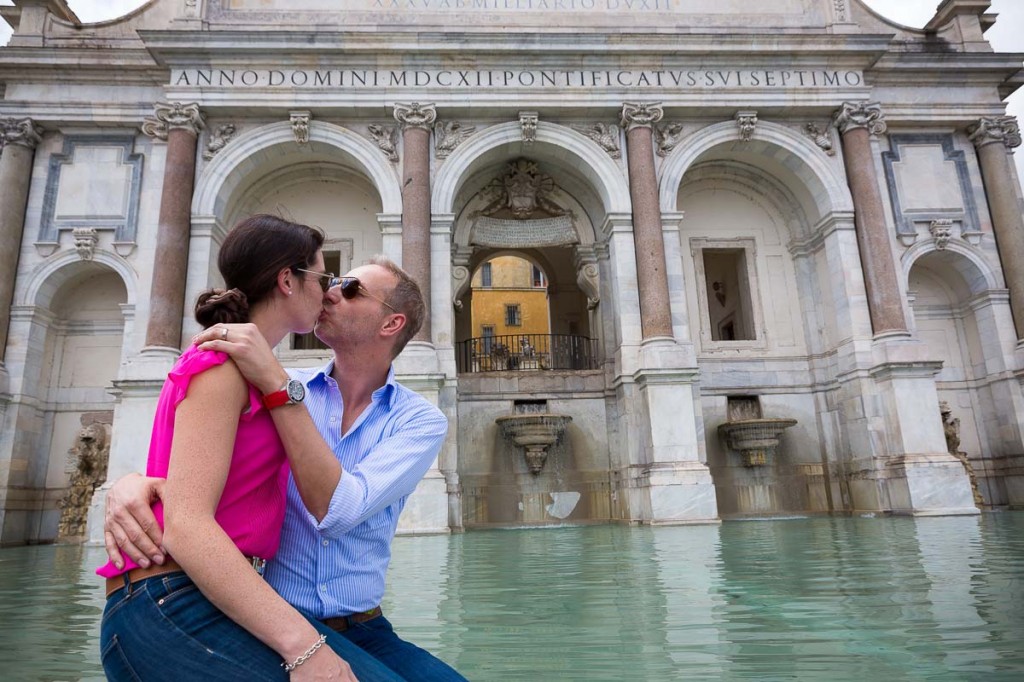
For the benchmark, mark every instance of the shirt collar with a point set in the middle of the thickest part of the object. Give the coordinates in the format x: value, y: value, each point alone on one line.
x: 386, y: 393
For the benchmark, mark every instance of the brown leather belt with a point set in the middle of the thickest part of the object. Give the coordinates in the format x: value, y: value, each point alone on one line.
x: 169, y: 566
x: 136, y: 574
x: 342, y: 623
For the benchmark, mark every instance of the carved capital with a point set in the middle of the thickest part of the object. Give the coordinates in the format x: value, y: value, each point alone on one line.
x: 22, y: 132
x: 1002, y: 129
x: 641, y: 115
x: 173, y: 116
x: 853, y: 115
x: 415, y: 115
x: 528, y: 122
x: 300, y: 126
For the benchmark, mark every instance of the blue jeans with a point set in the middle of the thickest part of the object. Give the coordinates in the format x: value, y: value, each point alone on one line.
x: 163, y: 628
x: 377, y: 638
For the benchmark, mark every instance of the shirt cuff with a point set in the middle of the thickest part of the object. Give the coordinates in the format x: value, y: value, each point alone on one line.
x: 345, y: 506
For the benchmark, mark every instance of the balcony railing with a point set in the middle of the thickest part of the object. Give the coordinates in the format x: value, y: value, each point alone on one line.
x: 526, y: 352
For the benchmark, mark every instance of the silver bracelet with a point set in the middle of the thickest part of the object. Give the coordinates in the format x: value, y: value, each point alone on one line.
x: 288, y: 667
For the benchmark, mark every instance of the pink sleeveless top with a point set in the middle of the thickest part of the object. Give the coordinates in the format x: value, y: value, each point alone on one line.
x: 251, y: 508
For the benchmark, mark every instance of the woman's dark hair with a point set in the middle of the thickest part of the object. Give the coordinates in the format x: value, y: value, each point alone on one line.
x: 250, y: 258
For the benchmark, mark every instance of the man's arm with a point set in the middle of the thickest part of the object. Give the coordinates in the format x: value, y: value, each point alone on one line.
x: 129, y: 526
x: 391, y: 470
x: 314, y: 467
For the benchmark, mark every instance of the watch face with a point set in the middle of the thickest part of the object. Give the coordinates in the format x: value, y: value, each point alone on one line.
x: 296, y: 391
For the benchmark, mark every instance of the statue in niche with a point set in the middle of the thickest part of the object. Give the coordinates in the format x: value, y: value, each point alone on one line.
x: 951, y: 428
x: 719, y: 289
x: 522, y: 192
x: 89, y: 456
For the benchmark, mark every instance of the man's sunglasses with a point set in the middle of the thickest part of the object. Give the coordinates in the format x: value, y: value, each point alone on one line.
x: 350, y: 286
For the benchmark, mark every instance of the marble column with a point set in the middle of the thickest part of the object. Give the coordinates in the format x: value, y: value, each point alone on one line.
x: 18, y: 140
x: 652, y: 280
x: 179, y: 125
x: 857, y: 122
x: 993, y: 138
x: 416, y: 120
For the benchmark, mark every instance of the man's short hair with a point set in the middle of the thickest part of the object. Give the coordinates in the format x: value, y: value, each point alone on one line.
x: 406, y: 298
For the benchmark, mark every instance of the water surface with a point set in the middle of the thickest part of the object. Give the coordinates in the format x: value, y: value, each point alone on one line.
x: 807, y: 599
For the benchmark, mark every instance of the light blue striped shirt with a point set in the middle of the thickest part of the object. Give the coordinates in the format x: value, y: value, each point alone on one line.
x: 338, y: 566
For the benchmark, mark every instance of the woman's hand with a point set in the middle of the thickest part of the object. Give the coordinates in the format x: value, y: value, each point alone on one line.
x: 323, y: 665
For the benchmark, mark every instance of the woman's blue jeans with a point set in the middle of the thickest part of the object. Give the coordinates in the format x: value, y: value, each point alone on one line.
x: 163, y: 628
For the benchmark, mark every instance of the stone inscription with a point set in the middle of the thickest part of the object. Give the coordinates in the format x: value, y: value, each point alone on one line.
x: 482, y: 6
x: 665, y: 79
x: 516, y: 234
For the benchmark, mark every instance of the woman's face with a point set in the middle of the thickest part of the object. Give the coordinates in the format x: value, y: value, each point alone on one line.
x: 308, y: 300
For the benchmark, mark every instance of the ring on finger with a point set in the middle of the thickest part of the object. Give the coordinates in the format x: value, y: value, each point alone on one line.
x: 224, y: 334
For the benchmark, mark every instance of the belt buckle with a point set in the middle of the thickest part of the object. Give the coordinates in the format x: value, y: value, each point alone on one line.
x: 259, y: 565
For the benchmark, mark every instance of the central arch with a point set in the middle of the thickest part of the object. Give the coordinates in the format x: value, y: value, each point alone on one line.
x: 553, y: 141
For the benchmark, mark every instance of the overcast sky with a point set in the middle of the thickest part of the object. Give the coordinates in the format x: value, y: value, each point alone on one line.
x: 1006, y: 36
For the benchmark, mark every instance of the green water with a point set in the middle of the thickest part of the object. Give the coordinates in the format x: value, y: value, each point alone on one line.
x: 807, y: 599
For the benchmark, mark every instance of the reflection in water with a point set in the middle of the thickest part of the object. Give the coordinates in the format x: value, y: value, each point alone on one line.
x: 812, y: 599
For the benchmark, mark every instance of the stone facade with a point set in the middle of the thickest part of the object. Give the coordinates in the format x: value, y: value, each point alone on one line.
x: 794, y: 203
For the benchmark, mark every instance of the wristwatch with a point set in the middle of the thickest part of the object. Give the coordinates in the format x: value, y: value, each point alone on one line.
x: 293, y: 391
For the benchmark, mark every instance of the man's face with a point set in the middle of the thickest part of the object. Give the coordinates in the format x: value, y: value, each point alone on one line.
x: 348, y: 322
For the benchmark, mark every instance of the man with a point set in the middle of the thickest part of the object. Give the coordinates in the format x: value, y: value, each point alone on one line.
x: 332, y: 561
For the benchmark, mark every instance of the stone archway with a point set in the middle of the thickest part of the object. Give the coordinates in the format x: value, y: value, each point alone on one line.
x: 74, y: 318
x: 961, y: 313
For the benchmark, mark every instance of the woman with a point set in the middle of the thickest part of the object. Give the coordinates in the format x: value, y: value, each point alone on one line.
x: 206, y: 613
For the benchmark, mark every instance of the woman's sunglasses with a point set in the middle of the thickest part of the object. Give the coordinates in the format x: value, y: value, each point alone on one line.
x: 350, y: 286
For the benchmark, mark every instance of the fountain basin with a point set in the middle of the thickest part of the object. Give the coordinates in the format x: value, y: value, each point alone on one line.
x: 535, y: 433
x: 755, y: 439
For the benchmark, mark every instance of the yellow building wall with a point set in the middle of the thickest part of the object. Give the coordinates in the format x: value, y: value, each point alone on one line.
x: 511, y: 282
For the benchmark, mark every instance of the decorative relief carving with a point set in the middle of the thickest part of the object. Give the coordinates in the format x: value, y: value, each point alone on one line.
x: 639, y: 114
x: 822, y: 138
x: 666, y: 137
x: 747, y: 122
x: 300, y: 126
x: 386, y: 139
x: 415, y: 115
x: 521, y: 192
x: 604, y: 134
x: 460, y: 282
x: 942, y: 232
x: 854, y: 115
x: 448, y: 135
x: 840, y: 7
x: 996, y: 129
x: 173, y: 116
x: 22, y: 132
x: 86, y: 239
x: 588, y: 280
x: 218, y: 140
x: 528, y: 123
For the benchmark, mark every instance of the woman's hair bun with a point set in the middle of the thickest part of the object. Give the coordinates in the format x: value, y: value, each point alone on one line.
x: 217, y: 306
